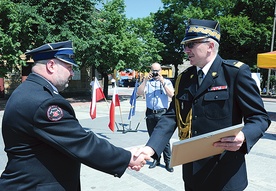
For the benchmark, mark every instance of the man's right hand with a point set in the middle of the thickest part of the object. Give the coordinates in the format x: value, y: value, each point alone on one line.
x: 145, y: 150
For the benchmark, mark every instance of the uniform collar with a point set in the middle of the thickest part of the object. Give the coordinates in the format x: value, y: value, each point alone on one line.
x: 206, y: 68
x: 43, y: 81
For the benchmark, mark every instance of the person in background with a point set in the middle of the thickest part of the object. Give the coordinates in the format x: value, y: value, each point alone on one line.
x: 44, y: 141
x: 113, y: 81
x: 264, y: 90
x: 158, y: 91
x: 212, y: 94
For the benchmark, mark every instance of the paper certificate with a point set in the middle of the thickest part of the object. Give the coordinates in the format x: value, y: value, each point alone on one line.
x: 201, y: 146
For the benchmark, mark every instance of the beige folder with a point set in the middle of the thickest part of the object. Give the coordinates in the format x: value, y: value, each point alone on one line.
x: 201, y: 146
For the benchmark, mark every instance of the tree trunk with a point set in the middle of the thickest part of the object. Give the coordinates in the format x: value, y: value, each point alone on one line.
x: 2, y: 88
x: 105, y: 85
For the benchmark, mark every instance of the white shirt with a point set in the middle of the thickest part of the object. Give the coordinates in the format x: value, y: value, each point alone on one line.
x: 156, y: 97
x: 206, y: 68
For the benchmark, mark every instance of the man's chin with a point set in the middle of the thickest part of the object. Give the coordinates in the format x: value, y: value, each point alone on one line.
x: 60, y: 89
x: 192, y: 62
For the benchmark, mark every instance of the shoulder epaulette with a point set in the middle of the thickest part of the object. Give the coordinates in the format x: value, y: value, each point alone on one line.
x: 235, y: 63
x: 238, y: 64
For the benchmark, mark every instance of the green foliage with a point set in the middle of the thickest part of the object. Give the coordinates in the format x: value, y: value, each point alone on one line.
x: 169, y: 28
x: 14, y: 29
x: 107, y: 40
x: 147, y: 47
x: 245, y: 26
x: 122, y: 43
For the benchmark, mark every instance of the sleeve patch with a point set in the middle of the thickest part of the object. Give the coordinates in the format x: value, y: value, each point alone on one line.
x: 54, y: 113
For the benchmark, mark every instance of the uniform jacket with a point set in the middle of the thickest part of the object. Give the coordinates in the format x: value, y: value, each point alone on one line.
x: 45, y: 143
x: 227, y: 96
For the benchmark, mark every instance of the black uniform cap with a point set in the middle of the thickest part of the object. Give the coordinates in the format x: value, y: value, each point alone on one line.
x: 200, y: 29
x: 61, y: 50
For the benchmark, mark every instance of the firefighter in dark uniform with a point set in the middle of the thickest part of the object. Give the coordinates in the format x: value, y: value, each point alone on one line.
x: 222, y: 95
x: 44, y: 141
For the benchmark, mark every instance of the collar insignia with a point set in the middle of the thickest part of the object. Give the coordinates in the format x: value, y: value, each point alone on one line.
x: 214, y: 74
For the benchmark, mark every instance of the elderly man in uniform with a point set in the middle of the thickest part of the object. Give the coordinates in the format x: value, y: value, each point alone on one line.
x: 44, y: 141
x: 210, y: 95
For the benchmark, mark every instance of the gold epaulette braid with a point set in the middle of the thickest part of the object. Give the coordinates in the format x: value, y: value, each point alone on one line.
x: 238, y: 64
x: 184, y: 129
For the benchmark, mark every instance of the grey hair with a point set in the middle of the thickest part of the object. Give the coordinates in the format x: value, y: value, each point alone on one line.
x: 41, y: 62
x: 216, y: 44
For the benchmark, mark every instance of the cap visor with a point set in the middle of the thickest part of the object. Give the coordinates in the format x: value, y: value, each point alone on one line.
x: 192, y: 39
x: 68, y: 61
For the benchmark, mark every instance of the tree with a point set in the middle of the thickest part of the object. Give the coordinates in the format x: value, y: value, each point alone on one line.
x: 108, y: 39
x: 17, y: 24
x: 149, y: 46
x: 246, y: 31
x: 169, y: 29
x: 245, y: 26
x: 121, y: 43
x: 102, y: 39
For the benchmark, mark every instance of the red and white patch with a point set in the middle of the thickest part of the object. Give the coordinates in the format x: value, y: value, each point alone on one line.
x: 54, y: 113
x: 217, y: 88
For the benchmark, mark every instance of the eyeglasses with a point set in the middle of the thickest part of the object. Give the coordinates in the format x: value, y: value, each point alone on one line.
x: 155, y: 71
x: 191, y: 45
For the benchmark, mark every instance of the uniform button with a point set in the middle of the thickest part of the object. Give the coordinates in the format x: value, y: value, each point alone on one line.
x: 195, y: 133
x: 216, y: 97
x: 116, y: 175
x: 195, y: 101
x: 195, y: 117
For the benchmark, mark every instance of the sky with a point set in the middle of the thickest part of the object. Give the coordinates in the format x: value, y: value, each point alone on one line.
x: 141, y: 8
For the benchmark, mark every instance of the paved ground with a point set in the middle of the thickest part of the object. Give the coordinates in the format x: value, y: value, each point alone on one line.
x: 261, y: 161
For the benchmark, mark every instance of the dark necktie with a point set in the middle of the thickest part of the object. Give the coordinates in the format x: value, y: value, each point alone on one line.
x: 200, y: 77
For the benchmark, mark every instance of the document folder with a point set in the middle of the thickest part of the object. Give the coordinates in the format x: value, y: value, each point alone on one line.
x: 201, y: 146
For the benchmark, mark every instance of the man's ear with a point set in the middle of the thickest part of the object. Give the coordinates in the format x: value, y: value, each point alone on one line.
x: 51, y: 65
x: 211, y: 46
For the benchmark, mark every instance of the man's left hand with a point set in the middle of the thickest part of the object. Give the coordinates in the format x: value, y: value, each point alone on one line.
x: 233, y: 143
x: 160, y: 78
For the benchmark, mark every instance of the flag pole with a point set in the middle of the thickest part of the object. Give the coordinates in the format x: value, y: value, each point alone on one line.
x: 140, y: 120
x: 130, y: 115
x: 106, y: 102
x: 121, y: 114
x: 122, y: 119
x: 120, y: 111
x: 97, y: 95
x: 132, y: 105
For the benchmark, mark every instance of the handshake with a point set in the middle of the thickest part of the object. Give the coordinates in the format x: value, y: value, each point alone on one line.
x: 139, y: 157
